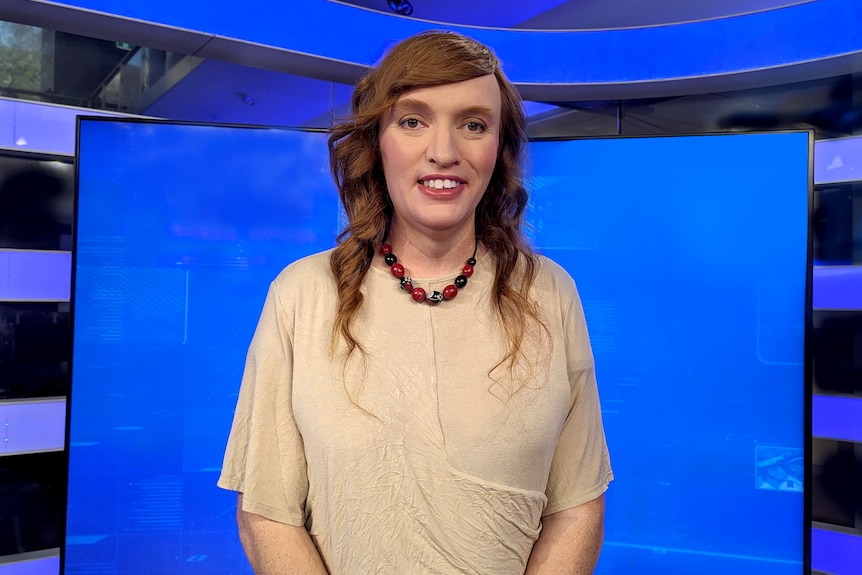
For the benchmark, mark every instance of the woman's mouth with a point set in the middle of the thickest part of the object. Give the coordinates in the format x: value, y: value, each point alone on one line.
x: 440, y: 184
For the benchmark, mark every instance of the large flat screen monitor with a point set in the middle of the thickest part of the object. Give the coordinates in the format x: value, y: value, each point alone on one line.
x: 180, y: 229
x: 690, y: 254
x: 691, y: 257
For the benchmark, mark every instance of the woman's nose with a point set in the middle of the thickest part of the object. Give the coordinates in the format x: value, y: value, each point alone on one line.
x: 443, y: 148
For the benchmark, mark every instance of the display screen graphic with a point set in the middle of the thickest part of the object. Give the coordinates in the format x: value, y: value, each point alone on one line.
x: 690, y: 254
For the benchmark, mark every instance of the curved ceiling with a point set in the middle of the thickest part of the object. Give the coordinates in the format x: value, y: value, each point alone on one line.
x: 573, y: 14
x: 336, y: 41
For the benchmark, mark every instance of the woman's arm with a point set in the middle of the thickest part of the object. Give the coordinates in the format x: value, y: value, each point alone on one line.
x: 570, y: 541
x: 276, y: 548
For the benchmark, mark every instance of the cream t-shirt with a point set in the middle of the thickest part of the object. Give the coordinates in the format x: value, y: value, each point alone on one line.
x: 411, y: 459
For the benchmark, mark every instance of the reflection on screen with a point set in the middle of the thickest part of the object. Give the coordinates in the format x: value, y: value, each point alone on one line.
x: 689, y: 253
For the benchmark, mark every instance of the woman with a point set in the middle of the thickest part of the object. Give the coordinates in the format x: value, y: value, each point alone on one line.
x: 447, y: 423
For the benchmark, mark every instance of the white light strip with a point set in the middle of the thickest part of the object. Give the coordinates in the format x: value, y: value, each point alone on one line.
x: 45, y: 128
x: 45, y: 562
x: 32, y: 426
x: 32, y: 275
x: 837, y: 417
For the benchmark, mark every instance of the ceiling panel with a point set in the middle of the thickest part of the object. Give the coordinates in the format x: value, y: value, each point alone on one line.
x: 490, y: 13
x: 229, y: 93
x: 575, y: 14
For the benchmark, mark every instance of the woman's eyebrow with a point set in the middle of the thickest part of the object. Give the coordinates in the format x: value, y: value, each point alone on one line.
x: 421, y: 106
x: 477, y: 111
x: 411, y: 104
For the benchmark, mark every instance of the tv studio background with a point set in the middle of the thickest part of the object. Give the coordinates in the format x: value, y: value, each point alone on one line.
x: 590, y: 71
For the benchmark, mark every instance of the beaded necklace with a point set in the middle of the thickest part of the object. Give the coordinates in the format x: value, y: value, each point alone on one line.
x: 417, y: 293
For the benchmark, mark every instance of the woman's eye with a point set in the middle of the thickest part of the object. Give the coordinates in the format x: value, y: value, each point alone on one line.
x: 410, y: 123
x: 474, y: 127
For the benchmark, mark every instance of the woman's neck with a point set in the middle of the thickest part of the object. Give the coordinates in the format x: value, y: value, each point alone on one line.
x: 427, y: 257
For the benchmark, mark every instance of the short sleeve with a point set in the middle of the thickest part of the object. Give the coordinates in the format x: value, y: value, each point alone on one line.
x: 265, y: 459
x: 581, y: 468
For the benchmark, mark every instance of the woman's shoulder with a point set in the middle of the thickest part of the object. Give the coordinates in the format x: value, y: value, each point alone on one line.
x: 555, y: 289
x: 551, y: 275
x: 310, y: 271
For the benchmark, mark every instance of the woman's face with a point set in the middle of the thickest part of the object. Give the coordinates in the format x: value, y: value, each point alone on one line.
x: 439, y: 148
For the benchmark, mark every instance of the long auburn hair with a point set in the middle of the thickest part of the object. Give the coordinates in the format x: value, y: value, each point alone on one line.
x: 431, y: 59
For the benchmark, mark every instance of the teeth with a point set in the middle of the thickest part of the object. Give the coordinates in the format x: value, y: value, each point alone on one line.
x: 440, y: 184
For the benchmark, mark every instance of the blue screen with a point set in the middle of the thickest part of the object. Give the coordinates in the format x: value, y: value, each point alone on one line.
x: 690, y: 254
x: 180, y: 229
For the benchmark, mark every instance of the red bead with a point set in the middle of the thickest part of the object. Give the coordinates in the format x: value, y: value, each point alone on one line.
x: 467, y: 270
x: 450, y: 292
x: 418, y: 295
x: 385, y: 249
x: 397, y: 270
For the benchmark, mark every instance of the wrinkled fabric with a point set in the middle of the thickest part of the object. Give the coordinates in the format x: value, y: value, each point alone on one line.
x: 416, y: 456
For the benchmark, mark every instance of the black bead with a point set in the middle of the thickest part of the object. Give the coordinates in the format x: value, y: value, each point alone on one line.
x: 390, y: 258
x: 406, y: 284
x: 471, y: 261
x: 460, y: 281
x: 435, y: 298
